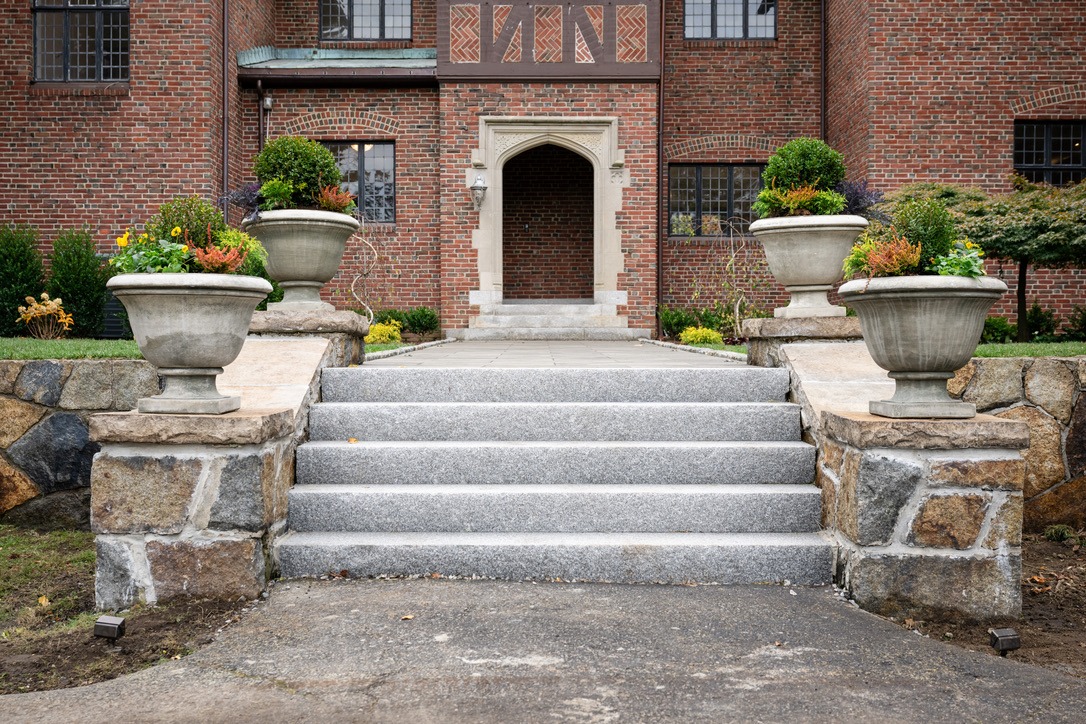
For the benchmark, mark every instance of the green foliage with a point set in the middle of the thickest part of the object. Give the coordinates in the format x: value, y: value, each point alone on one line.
x: 1059, y: 533
x: 881, y: 252
x: 305, y: 165
x: 804, y: 162
x: 384, y: 333
x: 21, y: 274
x: 186, y: 220
x: 998, y: 330
x: 276, y: 194
x: 1039, y: 224
x: 965, y: 259
x: 78, y: 275
x: 145, y: 255
x: 802, y: 201
x: 422, y: 320
x: 700, y: 335
x: 1042, y: 323
x: 384, y: 316
x: 949, y: 195
x: 1075, y: 329
x: 673, y: 320
x: 928, y: 223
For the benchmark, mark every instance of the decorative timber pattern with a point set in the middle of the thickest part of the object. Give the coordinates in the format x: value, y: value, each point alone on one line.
x: 546, y: 40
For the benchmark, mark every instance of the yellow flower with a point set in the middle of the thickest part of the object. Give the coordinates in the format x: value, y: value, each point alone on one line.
x: 185, y: 248
x: 176, y: 231
x: 122, y: 241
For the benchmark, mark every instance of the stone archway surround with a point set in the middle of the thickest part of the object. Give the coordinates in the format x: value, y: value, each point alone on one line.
x: 596, y: 139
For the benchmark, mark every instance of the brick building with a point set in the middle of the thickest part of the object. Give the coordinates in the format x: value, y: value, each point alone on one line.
x: 596, y: 127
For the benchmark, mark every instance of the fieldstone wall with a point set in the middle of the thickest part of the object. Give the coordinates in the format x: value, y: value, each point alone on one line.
x: 45, y: 446
x: 927, y: 513
x: 188, y: 505
x: 1048, y: 395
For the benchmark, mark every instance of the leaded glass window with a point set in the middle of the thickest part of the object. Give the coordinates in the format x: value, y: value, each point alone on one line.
x: 1050, y: 151
x: 710, y: 199
x: 365, y: 19
x: 81, y: 40
x: 730, y: 19
x: 369, y: 172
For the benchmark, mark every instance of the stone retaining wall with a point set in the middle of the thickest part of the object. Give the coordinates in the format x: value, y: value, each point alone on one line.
x: 45, y: 447
x: 188, y: 505
x: 1049, y: 395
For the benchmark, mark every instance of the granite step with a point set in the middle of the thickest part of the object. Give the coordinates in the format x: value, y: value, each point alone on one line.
x: 726, y: 558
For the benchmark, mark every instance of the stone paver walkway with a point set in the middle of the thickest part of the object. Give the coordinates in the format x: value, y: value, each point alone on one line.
x: 552, y: 354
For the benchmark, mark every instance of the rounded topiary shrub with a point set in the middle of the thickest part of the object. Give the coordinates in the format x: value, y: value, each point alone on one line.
x: 298, y: 168
x: 186, y: 220
x: 804, y: 162
x: 422, y: 320
x: 78, y: 276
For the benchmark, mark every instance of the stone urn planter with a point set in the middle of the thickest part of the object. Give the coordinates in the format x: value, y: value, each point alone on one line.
x: 921, y: 329
x: 304, y: 247
x: 805, y: 254
x: 189, y: 326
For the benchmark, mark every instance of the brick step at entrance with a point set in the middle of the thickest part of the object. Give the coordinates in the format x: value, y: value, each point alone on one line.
x: 605, y: 474
x: 546, y: 321
x: 568, y: 308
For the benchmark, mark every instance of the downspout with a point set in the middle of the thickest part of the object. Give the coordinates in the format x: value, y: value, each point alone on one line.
x: 660, y: 170
x: 225, y: 104
x: 822, y: 71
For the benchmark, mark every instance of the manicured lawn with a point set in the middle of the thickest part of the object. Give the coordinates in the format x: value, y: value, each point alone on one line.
x: 29, y: 348
x: 740, y: 348
x: 1032, y: 349
x: 370, y: 348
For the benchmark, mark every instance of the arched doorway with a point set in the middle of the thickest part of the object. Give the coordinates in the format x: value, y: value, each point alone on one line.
x: 548, y: 225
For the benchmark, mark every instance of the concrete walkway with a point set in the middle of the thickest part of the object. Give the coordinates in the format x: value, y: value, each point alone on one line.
x: 419, y: 651
x: 552, y: 354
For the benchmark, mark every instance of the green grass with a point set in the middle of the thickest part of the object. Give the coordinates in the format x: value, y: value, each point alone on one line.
x: 44, y: 577
x: 29, y: 348
x: 384, y: 347
x: 1032, y: 349
x: 740, y: 348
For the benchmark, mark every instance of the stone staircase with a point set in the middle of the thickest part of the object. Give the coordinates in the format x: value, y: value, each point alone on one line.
x: 550, y: 320
x: 631, y: 475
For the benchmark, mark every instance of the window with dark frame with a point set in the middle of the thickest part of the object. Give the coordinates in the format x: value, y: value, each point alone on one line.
x: 730, y: 19
x: 365, y: 19
x: 369, y: 172
x: 709, y: 199
x: 80, y: 40
x: 1050, y: 151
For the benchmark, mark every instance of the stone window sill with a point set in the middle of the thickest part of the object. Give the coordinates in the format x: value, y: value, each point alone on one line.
x: 79, y: 89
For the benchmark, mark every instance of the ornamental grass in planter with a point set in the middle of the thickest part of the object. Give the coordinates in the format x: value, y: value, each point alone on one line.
x: 303, y: 219
x: 801, y: 227
x: 190, y: 298
x: 921, y: 306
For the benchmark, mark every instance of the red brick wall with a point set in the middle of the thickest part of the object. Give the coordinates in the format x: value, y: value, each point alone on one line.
x: 106, y: 155
x: 547, y: 225
x: 633, y: 104
x: 407, y: 270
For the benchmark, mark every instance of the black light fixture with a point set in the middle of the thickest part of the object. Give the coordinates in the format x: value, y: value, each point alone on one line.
x: 478, y: 191
x: 109, y: 627
x: 1004, y: 640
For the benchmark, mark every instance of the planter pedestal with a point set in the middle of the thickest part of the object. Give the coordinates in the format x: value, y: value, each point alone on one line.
x: 304, y: 251
x: 805, y: 254
x: 189, y: 326
x: 922, y: 329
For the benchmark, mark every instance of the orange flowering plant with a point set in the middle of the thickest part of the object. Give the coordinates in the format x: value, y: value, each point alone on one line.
x: 217, y: 248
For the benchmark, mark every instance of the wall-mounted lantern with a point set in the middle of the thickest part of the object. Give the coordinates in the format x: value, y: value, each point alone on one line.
x: 478, y: 191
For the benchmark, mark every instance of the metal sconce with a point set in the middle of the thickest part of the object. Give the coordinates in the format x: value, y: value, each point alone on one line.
x: 478, y: 191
